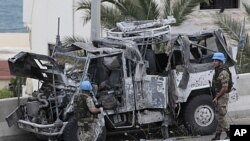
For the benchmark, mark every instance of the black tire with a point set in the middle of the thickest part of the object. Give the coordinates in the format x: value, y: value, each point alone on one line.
x: 71, y: 132
x: 199, y: 115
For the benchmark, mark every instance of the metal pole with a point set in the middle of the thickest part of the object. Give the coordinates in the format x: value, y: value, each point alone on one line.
x: 73, y: 18
x: 95, y: 19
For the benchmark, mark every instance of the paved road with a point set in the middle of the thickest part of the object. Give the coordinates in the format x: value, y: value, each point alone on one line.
x: 31, y: 137
x: 26, y: 137
x: 208, y: 138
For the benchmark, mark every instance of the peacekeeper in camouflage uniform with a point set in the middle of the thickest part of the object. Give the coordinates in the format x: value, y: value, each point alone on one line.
x: 90, y: 122
x: 220, y: 84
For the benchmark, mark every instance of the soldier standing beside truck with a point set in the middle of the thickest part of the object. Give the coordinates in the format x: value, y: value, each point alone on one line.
x: 86, y: 113
x: 221, y: 82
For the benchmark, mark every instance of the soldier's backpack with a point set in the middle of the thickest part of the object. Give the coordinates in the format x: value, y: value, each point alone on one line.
x: 80, y: 107
x: 230, y: 82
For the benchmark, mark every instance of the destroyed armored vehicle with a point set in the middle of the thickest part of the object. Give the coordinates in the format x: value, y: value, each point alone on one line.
x: 45, y: 112
x: 146, y: 78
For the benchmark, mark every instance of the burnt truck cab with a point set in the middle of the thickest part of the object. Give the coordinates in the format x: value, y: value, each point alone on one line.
x: 161, y: 76
x: 145, y: 78
x: 130, y: 98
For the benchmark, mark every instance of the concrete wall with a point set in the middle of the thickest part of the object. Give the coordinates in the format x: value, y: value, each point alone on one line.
x: 7, y: 106
x: 243, y: 84
x: 4, y: 84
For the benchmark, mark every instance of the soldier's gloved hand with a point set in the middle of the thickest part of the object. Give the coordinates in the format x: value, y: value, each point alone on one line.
x: 101, y: 110
x: 215, y: 101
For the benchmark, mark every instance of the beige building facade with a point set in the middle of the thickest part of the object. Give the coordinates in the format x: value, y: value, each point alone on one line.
x: 10, y: 45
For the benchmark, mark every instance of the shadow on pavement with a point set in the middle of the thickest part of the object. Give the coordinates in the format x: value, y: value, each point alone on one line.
x: 24, y: 137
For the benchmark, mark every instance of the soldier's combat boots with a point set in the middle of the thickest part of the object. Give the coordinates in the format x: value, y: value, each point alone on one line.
x: 228, y: 135
x: 216, y: 137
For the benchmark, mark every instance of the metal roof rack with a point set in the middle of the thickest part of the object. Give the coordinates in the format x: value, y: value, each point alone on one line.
x: 139, y: 31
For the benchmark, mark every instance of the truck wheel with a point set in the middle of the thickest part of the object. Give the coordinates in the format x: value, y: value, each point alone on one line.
x: 199, y: 115
x: 71, y: 131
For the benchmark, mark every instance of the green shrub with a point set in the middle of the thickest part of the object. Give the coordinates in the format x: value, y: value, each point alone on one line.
x: 15, y: 85
x: 5, y: 93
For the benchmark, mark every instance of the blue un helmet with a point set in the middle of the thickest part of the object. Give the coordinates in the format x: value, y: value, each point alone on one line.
x: 86, y: 86
x: 219, y: 56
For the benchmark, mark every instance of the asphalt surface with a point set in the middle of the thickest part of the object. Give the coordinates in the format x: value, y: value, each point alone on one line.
x: 31, y: 137
x: 25, y: 137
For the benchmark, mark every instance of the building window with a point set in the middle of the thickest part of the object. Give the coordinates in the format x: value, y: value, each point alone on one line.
x: 220, y: 4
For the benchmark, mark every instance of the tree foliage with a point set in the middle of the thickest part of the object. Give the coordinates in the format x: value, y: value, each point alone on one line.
x: 182, y: 8
x: 5, y: 93
x: 113, y: 11
x: 68, y: 40
x: 247, y: 8
x: 229, y: 25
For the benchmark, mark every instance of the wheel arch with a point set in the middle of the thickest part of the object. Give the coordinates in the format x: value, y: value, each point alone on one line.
x: 193, y: 94
x: 197, y: 92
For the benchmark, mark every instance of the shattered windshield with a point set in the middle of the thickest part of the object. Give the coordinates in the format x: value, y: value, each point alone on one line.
x: 72, y: 63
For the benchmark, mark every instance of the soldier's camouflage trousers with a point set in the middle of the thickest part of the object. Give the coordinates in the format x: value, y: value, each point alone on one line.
x: 90, y: 131
x: 221, y: 111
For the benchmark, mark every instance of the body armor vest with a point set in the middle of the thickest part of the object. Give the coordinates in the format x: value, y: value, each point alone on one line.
x: 81, y: 109
x: 216, y: 84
